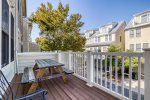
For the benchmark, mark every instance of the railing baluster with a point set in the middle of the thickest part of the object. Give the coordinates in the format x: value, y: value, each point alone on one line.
x: 97, y: 67
x: 94, y: 68
x: 130, y: 78
x: 82, y: 65
x: 139, y: 78
x: 101, y: 73
x: 105, y: 71
x: 122, y: 76
x: 111, y: 72
x: 116, y: 74
x: 76, y: 63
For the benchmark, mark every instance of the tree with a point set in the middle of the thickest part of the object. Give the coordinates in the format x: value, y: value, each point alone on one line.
x: 59, y: 30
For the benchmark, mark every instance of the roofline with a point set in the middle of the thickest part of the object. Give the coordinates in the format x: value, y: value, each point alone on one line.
x: 108, y: 24
x: 141, y: 13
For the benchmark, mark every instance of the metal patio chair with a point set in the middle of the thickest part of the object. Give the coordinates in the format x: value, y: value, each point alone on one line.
x: 6, y: 92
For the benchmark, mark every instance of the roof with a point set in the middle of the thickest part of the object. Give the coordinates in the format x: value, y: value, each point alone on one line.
x: 146, y: 11
x: 130, y: 24
x: 114, y: 29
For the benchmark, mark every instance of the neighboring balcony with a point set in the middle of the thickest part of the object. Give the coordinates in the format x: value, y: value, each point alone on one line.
x: 96, y: 75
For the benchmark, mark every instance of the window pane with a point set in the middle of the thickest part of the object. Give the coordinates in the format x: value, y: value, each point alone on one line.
x: 5, y: 16
x: 12, y: 37
x: 144, y: 19
x: 106, y: 37
x: 138, y: 47
x: 5, y: 49
x: 138, y: 32
x: 145, y: 45
x: 110, y: 37
x: 5, y: 33
x: 132, y: 47
x: 131, y: 33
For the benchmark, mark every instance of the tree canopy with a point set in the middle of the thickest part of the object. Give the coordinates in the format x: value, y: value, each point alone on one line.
x: 59, y: 30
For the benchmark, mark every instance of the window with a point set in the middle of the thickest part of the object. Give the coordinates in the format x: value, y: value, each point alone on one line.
x: 149, y: 17
x: 144, y: 19
x: 110, y: 37
x: 104, y: 30
x: 120, y: 39
x: 131, y: 33
x: 132, y: 47
x: 5, y: 33
x: 145, y: 45
x: 12, y: 38
x: 138, y: 47
x: 104, y: 49
x: 138, y: 32
x: 106, y: 37
x: 99, y: 39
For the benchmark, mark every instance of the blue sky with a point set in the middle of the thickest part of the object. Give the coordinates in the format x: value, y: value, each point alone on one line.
x: 94, y: 12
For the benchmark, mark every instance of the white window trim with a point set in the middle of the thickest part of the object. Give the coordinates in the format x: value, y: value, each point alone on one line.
x: 136, y: 30
x: 133, y: 33
x: 148, y: 14
x: 136, y: 48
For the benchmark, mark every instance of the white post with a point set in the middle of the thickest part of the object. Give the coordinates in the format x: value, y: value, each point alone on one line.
x: 69, y: 60
x: 89, y: 69
x: 59, y: 56
x: 147, y: 74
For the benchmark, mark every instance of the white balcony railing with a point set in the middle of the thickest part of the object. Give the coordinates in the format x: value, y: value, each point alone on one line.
x: 107, y: 71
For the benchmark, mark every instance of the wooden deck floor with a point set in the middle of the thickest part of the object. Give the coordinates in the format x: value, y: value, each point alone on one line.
x: 75, y: 89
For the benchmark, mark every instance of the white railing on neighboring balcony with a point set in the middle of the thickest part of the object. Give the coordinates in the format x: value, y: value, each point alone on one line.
x: 107, y: 72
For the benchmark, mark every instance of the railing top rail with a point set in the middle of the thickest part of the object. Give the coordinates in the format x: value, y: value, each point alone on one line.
x: 118, y: 54
x: 36, y: 53
x: 78, y: 52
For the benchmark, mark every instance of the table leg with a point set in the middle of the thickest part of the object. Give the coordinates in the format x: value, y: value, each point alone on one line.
x: 34, y: 86
x: 64, y: 77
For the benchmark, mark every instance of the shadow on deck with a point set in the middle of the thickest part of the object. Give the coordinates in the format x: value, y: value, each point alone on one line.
x: 75, y: 89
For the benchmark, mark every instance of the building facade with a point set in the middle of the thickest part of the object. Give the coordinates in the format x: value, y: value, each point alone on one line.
x: 137, y: 32
x: 28, y: 45
x: 109, y: 34
x: 11, y: 34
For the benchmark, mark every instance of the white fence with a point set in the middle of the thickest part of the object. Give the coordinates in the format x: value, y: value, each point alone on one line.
x: 114, y: 73
x: 28, y: 59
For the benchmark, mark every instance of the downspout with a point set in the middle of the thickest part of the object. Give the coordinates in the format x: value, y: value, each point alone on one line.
x: 16, y: 36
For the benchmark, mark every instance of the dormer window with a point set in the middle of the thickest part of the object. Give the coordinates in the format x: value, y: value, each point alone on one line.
x: 104, y: 30
x: 145, y: 18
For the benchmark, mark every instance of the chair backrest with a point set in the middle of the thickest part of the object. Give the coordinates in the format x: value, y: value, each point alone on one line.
x: 5, y: 88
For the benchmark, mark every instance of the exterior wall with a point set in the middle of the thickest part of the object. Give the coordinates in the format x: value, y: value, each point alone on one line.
x: 13, y: 8
x: 25, y: 36
x: 11, y: 65
x: 34, y: 47
x: 145, y: 37
x: 121, y: 34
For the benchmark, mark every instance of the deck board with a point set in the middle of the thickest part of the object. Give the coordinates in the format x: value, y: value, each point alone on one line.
x: 75, y: 89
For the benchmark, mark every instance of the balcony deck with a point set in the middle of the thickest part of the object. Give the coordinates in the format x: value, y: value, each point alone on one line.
x: 75, y: 89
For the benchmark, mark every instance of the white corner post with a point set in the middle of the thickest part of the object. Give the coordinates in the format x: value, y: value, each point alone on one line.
x: 89, y: 69
x: 147, y: 74
x: 59, y: 56
x: 69, y: 60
